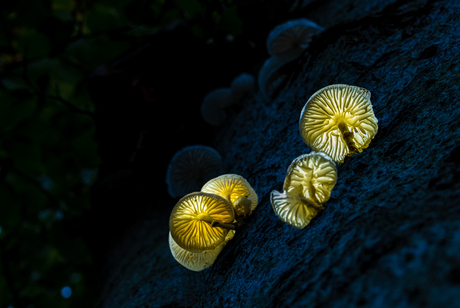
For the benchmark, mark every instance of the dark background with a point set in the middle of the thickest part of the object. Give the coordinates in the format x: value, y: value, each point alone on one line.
x: 97, y: 96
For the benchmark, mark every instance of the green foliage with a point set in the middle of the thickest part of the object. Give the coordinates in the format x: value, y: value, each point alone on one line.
x: 48, y: 157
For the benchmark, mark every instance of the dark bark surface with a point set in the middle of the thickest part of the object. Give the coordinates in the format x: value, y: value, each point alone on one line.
x: 390, y: 234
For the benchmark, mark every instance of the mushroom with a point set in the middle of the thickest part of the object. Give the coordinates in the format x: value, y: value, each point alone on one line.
x: 201, y: 221
x: 213, y: 105
x: 308, y: 184
x: 197, y: 261
x: 270, y: 75
x: 339, y: 121
x: 190, y: 168
x: 241, y: 85
x: 294, y: 35
x: 236, y: 190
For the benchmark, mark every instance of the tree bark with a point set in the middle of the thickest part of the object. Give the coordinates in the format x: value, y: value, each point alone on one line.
x: 390, y: 234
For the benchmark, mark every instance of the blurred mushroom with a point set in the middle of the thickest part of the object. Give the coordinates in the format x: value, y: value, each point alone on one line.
x: 308, y: 184
x: 294, y: 35
x: 214, y: 104
x: 242, y: 85
x: 201, y: 221
x: 190, y: 168
x: 339, y: 121
x: 197, y: 261
x: 235, y: 189
x: 270, y: 77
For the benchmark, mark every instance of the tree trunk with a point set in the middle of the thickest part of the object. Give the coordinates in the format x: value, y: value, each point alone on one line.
x: 390, y: 234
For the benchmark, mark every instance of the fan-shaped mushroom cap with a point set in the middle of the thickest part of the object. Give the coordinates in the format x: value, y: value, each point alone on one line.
x: 191, y: 219
x: 292, y: 35
x: 190, y: 168
x: 197, y: 261
x: 308, y: 184
x: 339, y: 121
x: 231, y: 187
x: 269, y: 75
x: 292, y: 208
x: 313, y: 172
x: 212, y: 107
x: 241, y: 85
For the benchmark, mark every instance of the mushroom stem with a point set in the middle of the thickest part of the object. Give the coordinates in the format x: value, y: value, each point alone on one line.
x: 348, y: 137
x: 223, y: 226
x: 312, y: 196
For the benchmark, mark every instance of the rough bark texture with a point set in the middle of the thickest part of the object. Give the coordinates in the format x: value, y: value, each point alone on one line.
x: 390, y: 234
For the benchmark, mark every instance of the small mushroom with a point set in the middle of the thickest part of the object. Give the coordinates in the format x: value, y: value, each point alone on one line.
x: 294, y: 35
x: 214, y: 104
x: 197, y: 261
x: 308, y: 184
x: 236, y: 190
x: 190, y: 168
x: 201, y: 221
x: 270, y: 75
x: 242, y: 85
x: 339, y: 121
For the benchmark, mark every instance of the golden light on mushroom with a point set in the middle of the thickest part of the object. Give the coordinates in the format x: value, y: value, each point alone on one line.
x: 339, y: 121
x: 308, y: 184
x: 197, y: 261
x: 196, y: 219
x: 236, y: 190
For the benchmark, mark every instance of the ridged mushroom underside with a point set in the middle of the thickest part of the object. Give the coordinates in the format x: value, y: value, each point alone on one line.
x: 292, y: 208
x: 331, y: 107
x: 231, y: 187
x: 190, y: 168
x: 191, y: 219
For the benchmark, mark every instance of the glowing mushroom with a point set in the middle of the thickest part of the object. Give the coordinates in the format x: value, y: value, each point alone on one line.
x: 308, y: 184
x: 339, y: 121
x: 242, y: 85
x: 201, y: 221
x: 214, y: 104
x: 190, y: 168
x: 197, y: 261
x: 236, y: 190
x: 291, y: 37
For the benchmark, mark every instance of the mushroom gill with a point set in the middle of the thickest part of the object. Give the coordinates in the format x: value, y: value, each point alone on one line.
x: 190, y: 168
x: 339, y: 121
x: 308, y: 184
x: 193, y: 221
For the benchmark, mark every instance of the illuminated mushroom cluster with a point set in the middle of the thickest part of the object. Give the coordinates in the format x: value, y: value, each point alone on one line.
x: 217, y: 101
x: 203, y: 222
x: 285, y: 43
x: 337, y: 121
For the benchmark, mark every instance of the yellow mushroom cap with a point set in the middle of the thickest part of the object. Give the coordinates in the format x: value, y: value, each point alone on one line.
x: 335, y: 105
x: 308, y: 184
x: 197, y: 261
x: 292, y: 209
x: 231, y: 187
x: 191, y: 218
x: 312, y: 170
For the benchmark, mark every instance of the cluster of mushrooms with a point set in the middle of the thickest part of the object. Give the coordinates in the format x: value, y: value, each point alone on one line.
x: 337, y: 122
x: 203, y: 222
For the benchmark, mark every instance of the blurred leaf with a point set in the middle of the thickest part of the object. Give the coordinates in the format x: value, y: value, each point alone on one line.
x: 192, y: 7
x: 15, y: 110
x: 9, y: 209
x: 101, y: 18
x: 33, y: 44
x: 230, y: 22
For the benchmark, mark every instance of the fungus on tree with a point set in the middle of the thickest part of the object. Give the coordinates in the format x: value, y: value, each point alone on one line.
x: 270, y: 75
x: 201, y: 221
x: 236, y: 190
x: 242, y: 85
x: 190, y: 168
x: 214, y: 104
x: 292, y: 37
x: 308, y: 184
x: 339, y: 121
x: 197, y: 261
